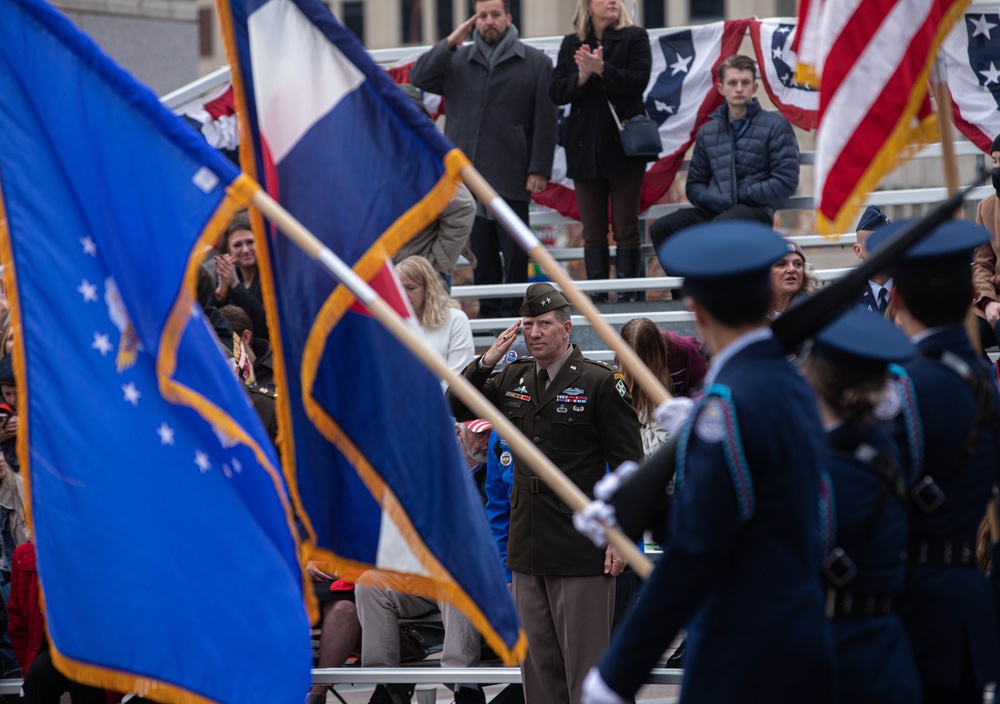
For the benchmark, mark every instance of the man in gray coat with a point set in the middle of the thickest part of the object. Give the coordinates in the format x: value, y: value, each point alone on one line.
x: 498, y: 112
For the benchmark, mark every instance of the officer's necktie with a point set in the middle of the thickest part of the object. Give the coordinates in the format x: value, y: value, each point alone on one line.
x: 882, y: 302
x: 543, y: 380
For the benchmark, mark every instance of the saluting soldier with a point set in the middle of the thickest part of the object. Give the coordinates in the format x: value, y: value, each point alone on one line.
x: 947, y: 606
x: 580, y: 415
x: 865, y: 526
x: 741, y: 566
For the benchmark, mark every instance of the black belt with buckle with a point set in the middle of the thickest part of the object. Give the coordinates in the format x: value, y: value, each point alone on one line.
x: 941, y: 553
x: 847, y: 604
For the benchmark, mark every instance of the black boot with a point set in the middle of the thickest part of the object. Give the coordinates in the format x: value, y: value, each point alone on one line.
x: 627, y: 267
x: 598, y: 263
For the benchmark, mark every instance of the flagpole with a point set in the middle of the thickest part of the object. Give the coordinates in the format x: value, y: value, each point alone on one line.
x: 949, y: 162
x: 460, y: 386
x: 533, y: 246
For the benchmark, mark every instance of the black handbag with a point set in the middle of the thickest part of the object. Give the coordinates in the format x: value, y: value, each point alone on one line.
x: 640, y: 135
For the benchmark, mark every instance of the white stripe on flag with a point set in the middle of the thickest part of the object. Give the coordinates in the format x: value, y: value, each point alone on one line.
x: 394, y: 552
x: 283, y: 43
x: 835, y: 16
x: 864, y: 84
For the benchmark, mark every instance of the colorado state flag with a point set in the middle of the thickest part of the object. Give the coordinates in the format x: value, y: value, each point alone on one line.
x: 363, y: 424
x: 166, y: 544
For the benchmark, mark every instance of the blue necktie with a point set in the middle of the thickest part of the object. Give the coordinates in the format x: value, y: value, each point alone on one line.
x: 882, y: 302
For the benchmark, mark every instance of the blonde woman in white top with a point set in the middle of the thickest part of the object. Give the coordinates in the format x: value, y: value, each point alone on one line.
x: 445, y: 327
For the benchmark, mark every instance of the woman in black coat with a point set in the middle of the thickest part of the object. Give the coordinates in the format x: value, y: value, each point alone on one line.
x: 606, y: 59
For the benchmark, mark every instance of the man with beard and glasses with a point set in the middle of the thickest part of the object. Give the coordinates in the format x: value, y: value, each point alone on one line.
x: 380, y: 607
x: 496, y: 91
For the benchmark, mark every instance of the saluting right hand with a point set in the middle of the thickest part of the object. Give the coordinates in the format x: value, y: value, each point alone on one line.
x: 461, y: 33
x: 503, y: 343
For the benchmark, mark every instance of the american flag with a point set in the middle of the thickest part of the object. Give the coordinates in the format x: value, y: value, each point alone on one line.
x: 873, y: 64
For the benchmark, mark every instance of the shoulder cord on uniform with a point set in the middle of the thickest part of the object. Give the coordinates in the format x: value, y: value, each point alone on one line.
x: 911, y: 419
x: 827, y: 514
x: 732, y: 446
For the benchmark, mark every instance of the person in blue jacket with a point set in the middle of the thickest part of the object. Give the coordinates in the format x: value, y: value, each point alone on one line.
x: 741, y: 568
x: 864, y: 516
x: 947, y: 607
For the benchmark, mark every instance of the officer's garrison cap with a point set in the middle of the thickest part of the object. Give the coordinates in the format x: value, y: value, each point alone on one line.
x: 541, y: 298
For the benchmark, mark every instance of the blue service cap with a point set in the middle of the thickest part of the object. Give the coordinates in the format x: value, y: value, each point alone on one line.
x: 953, y: 240
x: 717, y: 251
x: 857, y: 335
x: 872, y: 219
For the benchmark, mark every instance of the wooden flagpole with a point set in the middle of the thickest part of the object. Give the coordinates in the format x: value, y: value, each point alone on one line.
x: 460, y: 386
x: 533, y: 246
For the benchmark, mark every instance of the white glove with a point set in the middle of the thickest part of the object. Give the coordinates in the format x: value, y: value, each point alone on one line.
x: 596, y: 691
x: 592, y: 519
x: 672, y: 413
x: 607, y: 485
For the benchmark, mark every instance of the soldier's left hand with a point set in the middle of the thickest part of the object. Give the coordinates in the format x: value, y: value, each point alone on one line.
x: 596, y: 690
x: 614, y: 561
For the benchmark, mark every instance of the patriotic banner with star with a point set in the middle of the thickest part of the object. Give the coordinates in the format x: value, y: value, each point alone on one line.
x: 970, y: 58
x: 772, y: 42
x: 167, y: 549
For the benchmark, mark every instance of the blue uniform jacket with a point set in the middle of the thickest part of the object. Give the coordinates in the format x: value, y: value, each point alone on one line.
x: 741, y: 568
x: 950, y: 612
x: 874, y: 658
x: 499, y: 480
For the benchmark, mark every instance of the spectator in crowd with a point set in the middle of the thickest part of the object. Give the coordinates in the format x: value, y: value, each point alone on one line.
x: 745, y: 159
x: 687, y: 363
x: 7, y: 340
x: 500, y: 474
x: 257, y: 348
x: 741, y: 569
x: 236, y: 272
x: 985, y: 272
x: 446, y: 239
x: 790, y: 278
x: 339, y: 624
x: 13, y: 532
x: 43, y: 683
x: 582, y: 416
x: 498, y: 113
x: 445, y: 327
x: 604, y: 65
x: 875, y: 296
x: 866, y: 542
x: 380, y: 606
x: 643, y: 336
x: 947, y: 607
x: 9, y: 421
